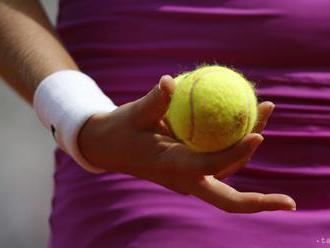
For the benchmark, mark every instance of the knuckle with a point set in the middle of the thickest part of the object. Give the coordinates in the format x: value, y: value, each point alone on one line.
x: 237, y: 204
x: 259, y: 200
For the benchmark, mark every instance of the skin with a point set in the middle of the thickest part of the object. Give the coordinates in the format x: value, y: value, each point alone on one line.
x: 133, y: 139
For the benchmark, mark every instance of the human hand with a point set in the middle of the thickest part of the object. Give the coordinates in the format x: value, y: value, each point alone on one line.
x: 135, y: 139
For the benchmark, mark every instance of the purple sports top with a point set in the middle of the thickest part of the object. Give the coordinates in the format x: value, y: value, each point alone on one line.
x: 283, y: 46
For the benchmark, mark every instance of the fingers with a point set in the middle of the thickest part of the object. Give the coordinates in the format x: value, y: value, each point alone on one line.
x: 227, y: 198
x: 232, y: 169
x: 162, y: 128
x: 153, y: 106
x: 251, y: 202
x: 167, y: 85
x: 223, y: 163
x: 265, y: 110
x: 228, y: 161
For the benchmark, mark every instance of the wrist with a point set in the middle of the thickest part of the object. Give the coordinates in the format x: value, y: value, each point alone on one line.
x: 89, y: 140
x: 64, y: 101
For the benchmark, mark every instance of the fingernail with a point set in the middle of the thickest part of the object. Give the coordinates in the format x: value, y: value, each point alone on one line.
x: 250, y: 145
x: 165, y: 77
x: 256, y: 142
x: 257, y: 139
x: 272, y: 106
x: 162, y: 79
x: 293, y: 208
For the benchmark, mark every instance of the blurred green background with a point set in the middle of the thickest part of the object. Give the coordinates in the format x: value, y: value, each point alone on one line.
x: 26, y: 167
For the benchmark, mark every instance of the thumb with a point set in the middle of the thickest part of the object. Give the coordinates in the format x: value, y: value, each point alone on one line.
x: 152, y: 107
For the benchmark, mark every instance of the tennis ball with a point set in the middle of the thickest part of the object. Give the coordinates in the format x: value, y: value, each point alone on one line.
x: 212, y: 108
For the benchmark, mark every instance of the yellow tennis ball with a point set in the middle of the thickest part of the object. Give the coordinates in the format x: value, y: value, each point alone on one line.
x: 212, y: 108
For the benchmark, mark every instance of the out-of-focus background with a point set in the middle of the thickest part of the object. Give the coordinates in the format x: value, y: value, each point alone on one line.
x: 26, y: 167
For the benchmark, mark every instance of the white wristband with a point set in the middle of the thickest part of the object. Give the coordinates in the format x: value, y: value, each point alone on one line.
x: 63, y: 102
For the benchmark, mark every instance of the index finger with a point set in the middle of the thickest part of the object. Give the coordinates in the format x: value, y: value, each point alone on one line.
x: 265, y: 110
x: 229, y: 199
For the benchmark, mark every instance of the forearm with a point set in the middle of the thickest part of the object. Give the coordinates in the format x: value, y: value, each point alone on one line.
x: 29, y: 48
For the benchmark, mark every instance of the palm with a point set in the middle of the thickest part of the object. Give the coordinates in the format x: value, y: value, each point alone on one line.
x: 187, y: 172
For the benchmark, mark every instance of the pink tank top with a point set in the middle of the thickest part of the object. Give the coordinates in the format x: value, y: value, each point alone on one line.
x: 283, y: 46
